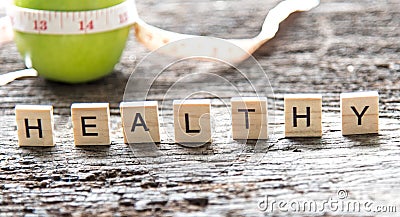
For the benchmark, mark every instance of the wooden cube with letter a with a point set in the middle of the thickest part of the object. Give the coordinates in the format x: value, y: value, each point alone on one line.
x: 303, y: 113
x: 249, y: 118
x: 91, y: 123
x: 140, y: 122
x: 192, y: 122
x: 34, y: 125
x: 360, y: 112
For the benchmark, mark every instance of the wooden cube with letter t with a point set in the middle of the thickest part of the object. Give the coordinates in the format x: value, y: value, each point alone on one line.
x: 140, y: 122
x: 249, y: 118
x: 303, y: 115
x: 360, y: 112
x: 91, y: 123
x: 34, y: 125
x: 192, y: 121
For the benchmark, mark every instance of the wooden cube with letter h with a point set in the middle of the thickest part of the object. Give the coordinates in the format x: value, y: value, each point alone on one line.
x: 303, y: 115
x: 249, y: 118
x: 91, y: 123
x: 140, y: 122
x: 360, y: 112
x: 192, y: 122
x: 34, y: 125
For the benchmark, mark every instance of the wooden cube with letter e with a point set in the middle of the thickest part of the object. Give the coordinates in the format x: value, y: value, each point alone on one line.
x: 91, y: 123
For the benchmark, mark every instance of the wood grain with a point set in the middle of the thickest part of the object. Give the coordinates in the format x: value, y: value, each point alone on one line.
x: 338, y: 47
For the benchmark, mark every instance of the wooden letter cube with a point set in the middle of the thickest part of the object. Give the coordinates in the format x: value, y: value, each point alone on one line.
x: 34, y: 125
x: 90, y: 123
x: 360, y: 112
x: 192, y: 121
x: 303, y: 115
x: 249, y: 118
x: 140, y: 122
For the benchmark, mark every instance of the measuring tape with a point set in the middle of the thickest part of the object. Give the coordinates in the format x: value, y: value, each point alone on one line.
x: 74, y: 22
x: 125, y: 14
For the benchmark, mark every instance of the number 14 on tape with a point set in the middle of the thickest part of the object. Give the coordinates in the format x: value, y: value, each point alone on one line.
x: 77, y: 22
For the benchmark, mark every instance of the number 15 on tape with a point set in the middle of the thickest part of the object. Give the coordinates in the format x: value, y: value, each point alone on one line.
x: 76, y: 22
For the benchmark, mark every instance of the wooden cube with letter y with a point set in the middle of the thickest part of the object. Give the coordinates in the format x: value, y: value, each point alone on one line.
x: 192, y: 122
x: 249, y: 118
x: 360, y: 112
x: 91, y: 123
x: 140, y: 122
x: 34, y: 125
x: 303, y: 115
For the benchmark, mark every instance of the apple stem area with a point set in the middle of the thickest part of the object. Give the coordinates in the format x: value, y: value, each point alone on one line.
x: 340, y: 46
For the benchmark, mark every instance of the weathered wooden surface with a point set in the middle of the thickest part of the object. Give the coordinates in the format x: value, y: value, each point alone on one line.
x: 339, y: 46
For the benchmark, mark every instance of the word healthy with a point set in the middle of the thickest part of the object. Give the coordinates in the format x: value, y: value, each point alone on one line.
x: 140, y: 120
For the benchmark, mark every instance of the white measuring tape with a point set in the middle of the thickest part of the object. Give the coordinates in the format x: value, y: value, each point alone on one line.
x: 125, y: 14
x: 74, y: 22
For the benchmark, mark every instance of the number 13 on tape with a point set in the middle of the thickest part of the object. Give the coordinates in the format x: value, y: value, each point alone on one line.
x: 72, y: 23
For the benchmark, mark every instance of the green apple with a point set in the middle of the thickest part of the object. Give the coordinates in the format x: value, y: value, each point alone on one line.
x: 72, y: 58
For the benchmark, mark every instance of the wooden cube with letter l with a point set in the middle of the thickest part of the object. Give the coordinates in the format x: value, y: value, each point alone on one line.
x: 192, y: 122
x: 360, y: 112
x: 140, y: 122
x: 249, y: 118
x: 34, y: 125
x: 91, y: 123
x: 303, y: 115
